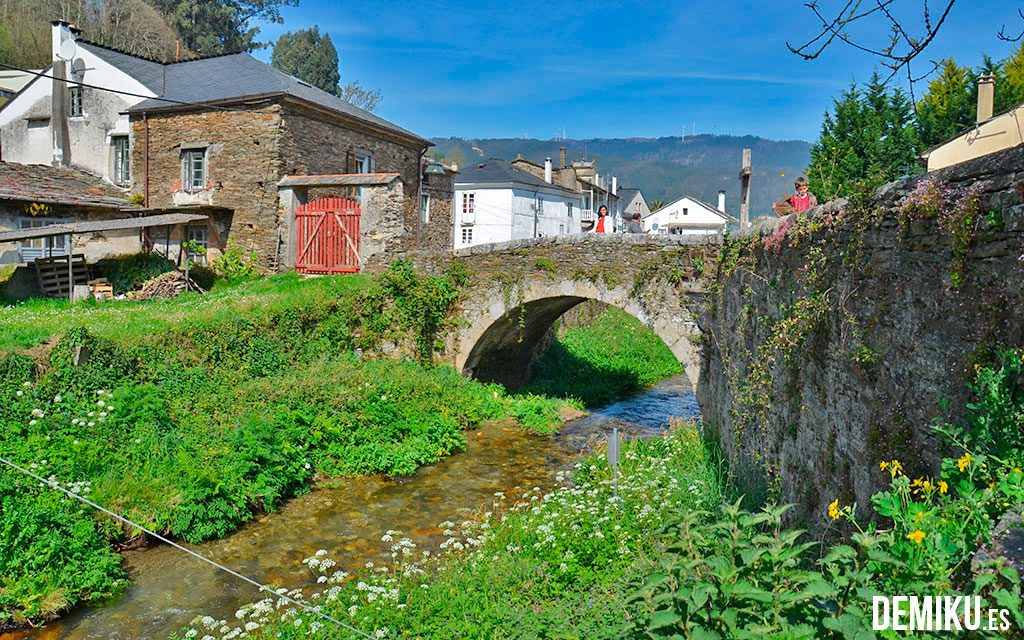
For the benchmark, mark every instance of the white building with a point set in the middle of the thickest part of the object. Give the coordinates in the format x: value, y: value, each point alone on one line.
x: 689, y: 216
x: 496, y: 202
x: 59, y: 119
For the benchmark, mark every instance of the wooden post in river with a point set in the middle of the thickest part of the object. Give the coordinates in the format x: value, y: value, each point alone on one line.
x: 745, y: 174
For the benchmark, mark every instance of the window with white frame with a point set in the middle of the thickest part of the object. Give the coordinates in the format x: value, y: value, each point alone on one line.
x: 120, y: 160
x: 468, y: 208
x: 75, y: 102
x: 193, y: 170
x: 569, y: 205
x: 467, y: 235
x: 197, y: 242
x: 42, y: 247
x: 425, y: 208
x: 365, y: 163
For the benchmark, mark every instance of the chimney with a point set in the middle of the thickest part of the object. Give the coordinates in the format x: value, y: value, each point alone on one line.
x: 60, y: 32
x: 547, y: 170
x: 721, y: 200
x: 615, y: 185
x: 986, y: 97
x: 561, y: 156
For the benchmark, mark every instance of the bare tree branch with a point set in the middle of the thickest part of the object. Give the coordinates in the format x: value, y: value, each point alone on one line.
x: 896, y: 55
x: 1002, y: 31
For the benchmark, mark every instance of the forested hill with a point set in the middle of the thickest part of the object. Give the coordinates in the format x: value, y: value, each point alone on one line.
x: 663, y: 168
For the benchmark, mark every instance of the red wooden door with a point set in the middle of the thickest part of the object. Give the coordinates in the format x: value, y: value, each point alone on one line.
x: 328, y: 236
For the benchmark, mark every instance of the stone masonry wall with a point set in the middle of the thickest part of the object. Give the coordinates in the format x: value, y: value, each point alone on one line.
x: 243, y: 167
x: 312, y: 146
x: 829, y: 342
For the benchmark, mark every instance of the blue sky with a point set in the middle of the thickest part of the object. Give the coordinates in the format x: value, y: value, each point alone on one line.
x: 610, y: 69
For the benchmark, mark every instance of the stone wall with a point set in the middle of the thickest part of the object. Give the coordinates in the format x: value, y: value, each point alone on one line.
x: 311, y: 145
x: 830, y: 342
x: 436, y: 234
x: 243, y: 167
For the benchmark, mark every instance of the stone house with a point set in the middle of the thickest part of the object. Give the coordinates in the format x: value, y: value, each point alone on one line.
x: 217, y: 135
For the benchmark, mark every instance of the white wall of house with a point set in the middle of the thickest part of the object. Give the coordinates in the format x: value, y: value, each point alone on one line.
x: 25, y: 129
x: 508, y: 212
x: 686, y: 216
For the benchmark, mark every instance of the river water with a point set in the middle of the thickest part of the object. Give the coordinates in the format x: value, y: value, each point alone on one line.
x: 348, y: 516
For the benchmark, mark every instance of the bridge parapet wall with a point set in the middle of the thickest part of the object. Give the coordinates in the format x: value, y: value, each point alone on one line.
x: 517, y: 289
x: 830, y: 341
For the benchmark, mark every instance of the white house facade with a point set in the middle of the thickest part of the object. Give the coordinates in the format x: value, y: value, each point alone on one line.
x: 689, y: 216
x: 495, y: 202
x: 86, y: 129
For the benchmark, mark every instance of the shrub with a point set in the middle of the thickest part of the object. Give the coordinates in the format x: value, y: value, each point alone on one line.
x: 235, y: 264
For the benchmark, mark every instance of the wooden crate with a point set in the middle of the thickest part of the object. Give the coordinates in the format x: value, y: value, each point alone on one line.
x: 53, y: 274
x: 101, y: 285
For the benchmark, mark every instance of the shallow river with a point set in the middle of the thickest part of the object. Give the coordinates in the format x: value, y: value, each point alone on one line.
x: 347, y: 517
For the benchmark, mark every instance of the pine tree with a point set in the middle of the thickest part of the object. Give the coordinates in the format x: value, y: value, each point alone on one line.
x: 950, y: 104
x: 867, y: 136
x: 309, y: 56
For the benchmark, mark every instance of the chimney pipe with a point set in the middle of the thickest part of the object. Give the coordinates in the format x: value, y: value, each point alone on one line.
x: 59, y: 107
x: 986, y: 97
x: 561, y: 155
x: 721, y: 200
x: 615, y: 185
x: 547, y: 170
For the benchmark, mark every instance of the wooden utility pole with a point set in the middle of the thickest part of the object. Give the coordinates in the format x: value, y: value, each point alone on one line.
x: 745, y: 174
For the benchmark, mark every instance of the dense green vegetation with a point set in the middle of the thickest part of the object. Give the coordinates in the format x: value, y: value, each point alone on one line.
x: 189, y: 416
x: 610, y: 357
x: 669, y: 559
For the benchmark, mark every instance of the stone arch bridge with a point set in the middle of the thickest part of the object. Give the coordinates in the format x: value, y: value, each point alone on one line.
x: 517, y: 290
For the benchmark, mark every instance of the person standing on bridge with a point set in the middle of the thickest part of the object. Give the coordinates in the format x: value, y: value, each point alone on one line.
x: 802, y: 200
x: 602, y: 214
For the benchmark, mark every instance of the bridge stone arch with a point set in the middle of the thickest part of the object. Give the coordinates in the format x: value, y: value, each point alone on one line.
x: 517, y: 289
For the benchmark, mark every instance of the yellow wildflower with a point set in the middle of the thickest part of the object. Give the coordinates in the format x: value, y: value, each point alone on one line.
x: 964, y: 461
x: 833, y: 509
x: 943, y: 487
x: 918, y: 517
x: 917, y: 482
x: 883, y: 465
x: 927, y: 485
x: 916, y: 537
x: 896, y: 466
x: 1016, y: 470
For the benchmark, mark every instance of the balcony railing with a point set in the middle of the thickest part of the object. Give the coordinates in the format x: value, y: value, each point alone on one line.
x: 587, y: 215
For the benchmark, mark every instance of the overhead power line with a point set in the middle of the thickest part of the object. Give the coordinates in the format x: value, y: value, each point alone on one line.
x: 261, y: 587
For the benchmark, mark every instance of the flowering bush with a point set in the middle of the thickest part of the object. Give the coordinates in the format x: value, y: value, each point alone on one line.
x: 774, y: 241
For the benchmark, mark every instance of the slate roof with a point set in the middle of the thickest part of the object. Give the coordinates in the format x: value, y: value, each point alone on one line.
x: 627, y: 195
x: 227, y: 78
x: 148, y: 72
x: 57, y: 185
x: 498, y: 171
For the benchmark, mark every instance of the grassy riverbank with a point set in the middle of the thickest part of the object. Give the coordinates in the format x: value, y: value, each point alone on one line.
x: 190, y: 416
x: 605, y: 359
x: 671, y: 559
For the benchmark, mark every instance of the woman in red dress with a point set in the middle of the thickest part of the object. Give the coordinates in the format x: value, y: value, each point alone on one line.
x: 602, y: 213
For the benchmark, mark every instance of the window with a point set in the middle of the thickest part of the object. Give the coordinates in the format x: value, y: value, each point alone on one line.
x: 75, y: 102
x: 121, y: 160
x: 38, y: 123
x: 468, y: 208
x: 561, y: 229
x: 686, y: 211
x: 363, y: 163
x: 467, y: 235
x: 42, y: 247
x: 196, y: 237
x: 425, y: 208
x: 193, y: 170
x: 570, y: 209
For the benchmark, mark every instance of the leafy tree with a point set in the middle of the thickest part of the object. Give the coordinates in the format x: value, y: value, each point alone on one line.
x: 212, y: 27
x: 657, y: 204
x: 355, y: 94
x: 866, y: 137
x: 309, y: 56
x: 950, y: 104
x: 1012, y: 80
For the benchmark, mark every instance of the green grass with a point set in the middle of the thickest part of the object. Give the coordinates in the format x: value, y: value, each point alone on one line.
x: 26, y: 324
x: 611, y: 357
x: 190, y: 416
